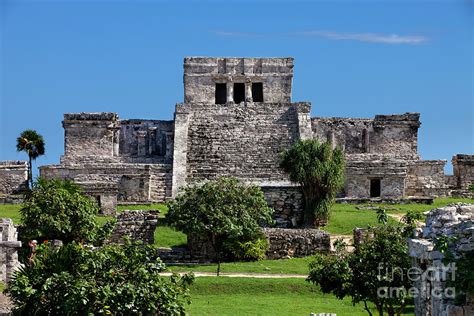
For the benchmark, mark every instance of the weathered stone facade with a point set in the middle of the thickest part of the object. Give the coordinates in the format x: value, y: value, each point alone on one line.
x: 136, y: 225
x: 283, y: 243
x: 13, y: 177
x: 456, y: 222
x: 236, y: 119
x: 296, y: 243
x: 9, y: 246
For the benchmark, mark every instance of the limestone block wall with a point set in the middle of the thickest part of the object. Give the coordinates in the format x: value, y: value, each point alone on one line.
x: 240, y: 141
x: 455, y: 221
x: 9, y: 246
x: 202, y: 73
x: 287, y: 203
x: 352, y: 135
x: 13, y: 176
x: 463, y: 168
x: 426, y: 178
x: 283, y: 243
x: 90, y: 135
x: 132, y: 183
x: 385, y: 135
x: 295, y: 243
x: 137, y: 225
x: 391, y: 173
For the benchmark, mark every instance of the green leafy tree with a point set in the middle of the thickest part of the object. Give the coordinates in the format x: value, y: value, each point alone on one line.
x: 56, y: 209
x: 111, y: 280
x: 319, y: 170
x: 32, y: 143
x: 375, y: 272
x: 225, y: 212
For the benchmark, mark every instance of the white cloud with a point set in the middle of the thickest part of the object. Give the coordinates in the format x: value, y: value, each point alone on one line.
x: 369, y: 37
x: 340, y: 36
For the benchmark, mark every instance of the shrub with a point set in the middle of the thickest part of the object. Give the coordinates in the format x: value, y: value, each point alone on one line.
x: 319, y: 170
x: 76, y: 280
x: 56, y: 209
x: 372, y: 273
x: 225, y: 212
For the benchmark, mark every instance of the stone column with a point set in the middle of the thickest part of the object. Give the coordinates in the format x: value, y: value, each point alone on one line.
x: 116, y: 143
x: 248, y: 90
x: 169, y: 145
x: 152, y: 140
x: 141, y: 140
x: 230, y: 90
x: 366, y: 140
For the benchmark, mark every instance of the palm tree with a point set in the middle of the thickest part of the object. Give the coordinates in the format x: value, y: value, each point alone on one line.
x: 33, y: 144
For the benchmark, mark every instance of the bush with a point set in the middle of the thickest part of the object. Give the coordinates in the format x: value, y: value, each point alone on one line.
x: 56, y: 209
x: 227, y: 213
x: 76, y: 280
x: 379, y: 264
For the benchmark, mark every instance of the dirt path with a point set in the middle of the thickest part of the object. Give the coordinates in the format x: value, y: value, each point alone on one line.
x: 244, y: 275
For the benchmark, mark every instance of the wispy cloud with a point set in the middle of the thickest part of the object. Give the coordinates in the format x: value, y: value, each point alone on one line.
x: 369, y: 37
x: 393, y: 39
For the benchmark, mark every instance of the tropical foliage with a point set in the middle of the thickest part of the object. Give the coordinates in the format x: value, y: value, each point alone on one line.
x: 32, y: 143
x: 56, y: 209
x: 112, y: 280
x: 227, y: 213
x: 375, y: 272
x: 319, y: 169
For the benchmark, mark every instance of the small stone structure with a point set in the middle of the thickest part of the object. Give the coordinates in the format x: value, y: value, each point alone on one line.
x: 9, y: 246
x: 283, y: 243
x: 454, y: 221
x: 295, y: 243
x: 13, y: 177
x: 236, y: 119
x: 137, y: 225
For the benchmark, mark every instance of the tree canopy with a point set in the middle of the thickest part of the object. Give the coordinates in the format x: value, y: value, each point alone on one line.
x: 377, y: 271
x: 56, y: 209
x: 225, y: 211
x: 33, y: 144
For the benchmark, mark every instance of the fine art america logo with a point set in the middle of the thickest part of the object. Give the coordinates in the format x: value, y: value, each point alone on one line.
x: 433, y: 278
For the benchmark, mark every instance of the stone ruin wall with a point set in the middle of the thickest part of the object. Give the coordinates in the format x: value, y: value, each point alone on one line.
x: 389, y: 136
x: 287, y: 203
x: 427, y: 178
x: 391, y: 173
x: 137, y: 225
x: 13, y: 177
x: 243, y: 142
x: 463, y: 168
x: 202, y: 73
x: 453, y: 221
x: 9, y: 246
x: 283, y: 244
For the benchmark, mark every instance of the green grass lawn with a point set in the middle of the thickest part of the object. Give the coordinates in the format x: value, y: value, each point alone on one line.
x: 248, y: 296
x: 283, y: 266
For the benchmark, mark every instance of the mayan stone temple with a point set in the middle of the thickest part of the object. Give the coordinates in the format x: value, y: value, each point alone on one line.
x: 236, y: 119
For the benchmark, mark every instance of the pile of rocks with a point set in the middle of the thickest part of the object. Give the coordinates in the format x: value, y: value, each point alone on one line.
x: 456, y: 223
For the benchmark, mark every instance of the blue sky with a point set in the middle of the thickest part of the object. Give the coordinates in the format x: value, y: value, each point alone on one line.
x: 352, y: 59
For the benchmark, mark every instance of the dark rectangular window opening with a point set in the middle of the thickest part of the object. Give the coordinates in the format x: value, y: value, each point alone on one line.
x: 375, y: 188
x: 221, y: 93
x: 257, y: 92
x: 239, y: 92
